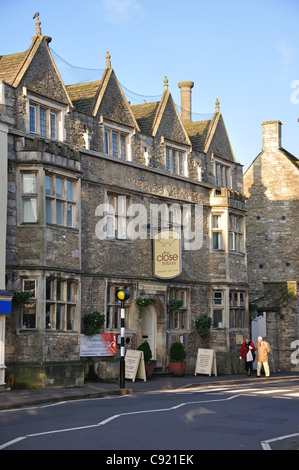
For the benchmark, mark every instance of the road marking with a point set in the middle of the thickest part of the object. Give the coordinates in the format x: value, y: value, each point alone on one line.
x: 265, y: 444
x: 273, y: 390
x: 111, y: 418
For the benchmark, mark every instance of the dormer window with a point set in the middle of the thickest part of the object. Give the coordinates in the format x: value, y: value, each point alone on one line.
x: 46, y: 118
x: 176, y: 161
x: 223, y: 174
x: 117, y: 142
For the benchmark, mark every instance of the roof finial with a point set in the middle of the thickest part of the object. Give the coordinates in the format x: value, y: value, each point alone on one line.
x: 165, y: 81
x: 108, y: 62
x: 37, y: 24
x: 217, y: 106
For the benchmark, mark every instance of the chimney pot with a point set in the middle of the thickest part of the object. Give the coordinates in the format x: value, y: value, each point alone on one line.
x: 271, y: 135
x: 186, y: 99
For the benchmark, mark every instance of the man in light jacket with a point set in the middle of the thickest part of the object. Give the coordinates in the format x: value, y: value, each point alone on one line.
x: 262, y: 349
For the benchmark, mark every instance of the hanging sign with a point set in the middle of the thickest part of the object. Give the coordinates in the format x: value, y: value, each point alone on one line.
x: 134, y: 365
x: 206, y: 362
x: 167, y: 254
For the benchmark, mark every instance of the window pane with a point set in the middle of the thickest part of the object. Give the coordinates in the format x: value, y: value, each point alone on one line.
x: 69, y: 291
x: 173, y: 162
x: 29, y: 210
x: 69, y: 190
x: 29, y: 316
x: 69, y: 215
x: 59, y: 213
x: 217, y: 240
x: 53, y: 125
x: 49, y: 289
x: 216, y: 221
x: 48, y: 185
x: 69, y: 317
x: 167, y: 159
x: 29, y: 286
x: 180, y: 163
x: 217, y: 319
x: 106, y: 143
x: 32, y: 119
x: 43, y: 122
x: 29, y: 183
x: 49, y: 219
x: 114, y: 144
x: 123, y: 146
x: 59, y: 187
x: 59, y: 313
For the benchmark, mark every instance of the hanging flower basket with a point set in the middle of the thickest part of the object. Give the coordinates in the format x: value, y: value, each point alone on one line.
x: 175, y: 305
x: 142, y: 302
x: 21, y: 296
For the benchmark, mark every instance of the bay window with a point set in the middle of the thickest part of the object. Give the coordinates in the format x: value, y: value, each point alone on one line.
x: 60, y: 201
x: 29, y: 197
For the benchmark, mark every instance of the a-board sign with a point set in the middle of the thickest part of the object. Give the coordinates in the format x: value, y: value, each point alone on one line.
x: 134, y: 365
x: 206, y: 362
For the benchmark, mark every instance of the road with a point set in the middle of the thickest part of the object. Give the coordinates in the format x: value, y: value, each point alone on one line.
x: 248, y: 417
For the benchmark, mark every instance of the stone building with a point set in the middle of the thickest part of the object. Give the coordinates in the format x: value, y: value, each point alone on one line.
x: 271, y: 185
x: 93, y: 182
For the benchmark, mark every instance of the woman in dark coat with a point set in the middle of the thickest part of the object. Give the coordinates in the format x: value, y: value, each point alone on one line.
x: 247, y: 353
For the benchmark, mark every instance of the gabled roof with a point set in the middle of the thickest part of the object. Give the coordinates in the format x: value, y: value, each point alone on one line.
x: 145, y: 116
x: 150, y: 116
x: 13, y: 67
x: 91, y: 98
x: 83, y: 95
x: 10, y: 65
x: 291, y: 157
x: 197, y: 132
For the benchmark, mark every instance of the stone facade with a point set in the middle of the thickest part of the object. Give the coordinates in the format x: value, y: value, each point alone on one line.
x: 271, y: 185
x: 73, y: 149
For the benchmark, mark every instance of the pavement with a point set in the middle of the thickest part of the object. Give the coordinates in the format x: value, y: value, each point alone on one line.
x: 17, y: 398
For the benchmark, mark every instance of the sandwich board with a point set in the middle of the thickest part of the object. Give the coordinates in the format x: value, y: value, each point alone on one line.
x: 206, y: 362
x: 134, y: 365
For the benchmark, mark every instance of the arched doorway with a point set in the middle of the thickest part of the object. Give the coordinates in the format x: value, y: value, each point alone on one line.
x: 149, y: 328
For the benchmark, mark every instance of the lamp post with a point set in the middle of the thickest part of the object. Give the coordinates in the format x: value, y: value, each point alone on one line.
x: 122, y: 295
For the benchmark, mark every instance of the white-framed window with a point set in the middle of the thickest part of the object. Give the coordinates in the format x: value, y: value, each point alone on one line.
x: 176, y: 161
x: 28, y: 319
x: 113, y: 306
x: 237, y: 310
x: 178, y: 318
x: 217, y: 232
x: 235, y: 236
x: 29, y: 197
x: 46, y: 119
x: 222, y: 174
x: 61, y: 301
x: 117, y: 142
x: 60, y: 200
x: 116, y: 215
x: 218, y: 307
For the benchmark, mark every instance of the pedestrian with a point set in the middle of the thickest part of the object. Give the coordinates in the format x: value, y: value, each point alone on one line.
x: 263, y: 350
x: 247, y: 353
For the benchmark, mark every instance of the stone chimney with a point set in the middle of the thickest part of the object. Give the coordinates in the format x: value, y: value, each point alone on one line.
x: 271, y: 135
x: 186, y: 100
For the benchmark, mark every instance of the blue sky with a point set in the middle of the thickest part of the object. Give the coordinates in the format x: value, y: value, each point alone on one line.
x: 245, y: 53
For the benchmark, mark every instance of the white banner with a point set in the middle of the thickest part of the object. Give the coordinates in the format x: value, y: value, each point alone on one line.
x: 98, y: 345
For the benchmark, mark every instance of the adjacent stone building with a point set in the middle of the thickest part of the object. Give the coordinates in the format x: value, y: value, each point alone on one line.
x: 271, y: 186
x: 85, y: 167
